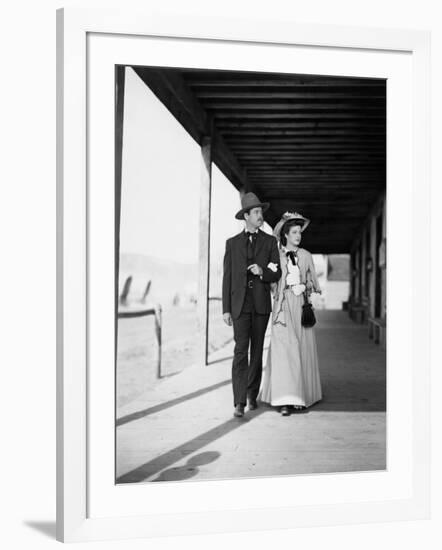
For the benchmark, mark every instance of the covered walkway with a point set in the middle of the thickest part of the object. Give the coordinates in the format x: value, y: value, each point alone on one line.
x: 183, y: 427
x: 308, y: 143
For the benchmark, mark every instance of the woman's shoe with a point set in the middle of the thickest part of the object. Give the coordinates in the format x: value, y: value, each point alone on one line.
x: 285, y: 411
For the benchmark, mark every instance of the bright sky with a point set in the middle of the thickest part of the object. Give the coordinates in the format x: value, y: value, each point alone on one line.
x: 161, y: 183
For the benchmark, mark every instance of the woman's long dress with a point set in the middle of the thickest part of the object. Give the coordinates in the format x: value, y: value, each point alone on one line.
x: 291, y: 374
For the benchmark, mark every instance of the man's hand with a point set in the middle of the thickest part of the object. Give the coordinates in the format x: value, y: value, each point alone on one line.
x: 227, y: 319
x: 255, y: 269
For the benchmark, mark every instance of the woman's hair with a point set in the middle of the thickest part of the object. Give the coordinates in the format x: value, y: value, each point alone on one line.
x: 286, y: 228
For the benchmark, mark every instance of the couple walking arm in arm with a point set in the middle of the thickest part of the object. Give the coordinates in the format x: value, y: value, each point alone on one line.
x: 253, y: 263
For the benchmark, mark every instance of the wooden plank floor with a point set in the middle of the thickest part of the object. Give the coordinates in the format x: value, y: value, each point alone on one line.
x: 183, y: 427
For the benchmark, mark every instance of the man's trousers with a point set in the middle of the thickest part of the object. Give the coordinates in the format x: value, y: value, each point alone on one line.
x: 248, y: 330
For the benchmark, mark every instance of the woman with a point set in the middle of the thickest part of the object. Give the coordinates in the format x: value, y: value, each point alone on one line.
x: 291, y: 375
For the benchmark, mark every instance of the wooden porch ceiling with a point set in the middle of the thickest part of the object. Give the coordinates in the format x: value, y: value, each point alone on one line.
x: 313, y: 144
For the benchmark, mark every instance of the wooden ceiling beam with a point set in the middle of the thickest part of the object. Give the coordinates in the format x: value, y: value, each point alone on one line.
x: 270, y: 186
x: 354, y: 206
x: 355, y: 203
x: 285, y: 116
x: 304, y: 145
x: 263, y: 80
x: 281, y: 155
x: 293, y: 106
x: 277, y: 185
x: 288, y: 174
x: 251, y: 138
x: 309, y: 164
x: 307, y: 179
x: 335, y: 125
x: 347, y: 132
x: 321, y: 208
x: 300, y: 191
x: 311, y: 151
x: 357, y: 95
x: 310, y: 148
x: 353, y: 191
x: 298, y: 172
x: 318, y: 175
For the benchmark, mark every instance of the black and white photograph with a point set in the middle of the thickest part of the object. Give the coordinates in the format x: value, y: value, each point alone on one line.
x: 250, y: 274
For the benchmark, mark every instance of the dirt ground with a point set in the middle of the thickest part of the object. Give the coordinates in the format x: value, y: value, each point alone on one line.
x: 137, y: 347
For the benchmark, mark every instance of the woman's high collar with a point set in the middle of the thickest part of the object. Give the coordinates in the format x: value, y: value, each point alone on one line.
x: 284, y: 249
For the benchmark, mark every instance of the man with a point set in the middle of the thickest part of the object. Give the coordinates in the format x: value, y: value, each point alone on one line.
x: 251, y: 263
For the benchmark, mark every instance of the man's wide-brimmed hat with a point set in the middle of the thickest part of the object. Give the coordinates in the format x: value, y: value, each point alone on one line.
x: 248, y: 201
x: 290, y: 216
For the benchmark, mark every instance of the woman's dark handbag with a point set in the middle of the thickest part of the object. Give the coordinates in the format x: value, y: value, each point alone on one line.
x: 308, y: 318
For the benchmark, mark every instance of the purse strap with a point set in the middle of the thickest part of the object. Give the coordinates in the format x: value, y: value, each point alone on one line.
x: 305, y: 297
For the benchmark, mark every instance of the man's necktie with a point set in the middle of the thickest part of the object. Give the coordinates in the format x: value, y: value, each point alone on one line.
x: 251, y: 244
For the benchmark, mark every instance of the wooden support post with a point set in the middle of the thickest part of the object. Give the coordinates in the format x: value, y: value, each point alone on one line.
x: 364, y: 263
x: 125, y: 292
x: 204, y: 250
x: 146, y: 291
x: 352, y: 274
x: 372, y: 283
x: 120, y: 76
x: 384, y: 266
x: 358, y: 274
x: 158, y: 332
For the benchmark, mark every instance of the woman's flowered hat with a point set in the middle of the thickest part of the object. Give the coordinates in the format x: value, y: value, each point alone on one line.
x: 290, y: 216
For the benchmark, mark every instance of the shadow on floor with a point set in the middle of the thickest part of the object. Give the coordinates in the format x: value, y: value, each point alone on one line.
x: 161, y: 406
x: 190, y: 469
x: 220, y: 360
x: 165, y: 460
x: 360, y: 397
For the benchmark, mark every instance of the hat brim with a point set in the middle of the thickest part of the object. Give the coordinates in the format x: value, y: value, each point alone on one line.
x: 263, y: 205
x: 279, y: 225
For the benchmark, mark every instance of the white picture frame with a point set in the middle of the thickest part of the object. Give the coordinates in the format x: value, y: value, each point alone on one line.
x: 77, y: 474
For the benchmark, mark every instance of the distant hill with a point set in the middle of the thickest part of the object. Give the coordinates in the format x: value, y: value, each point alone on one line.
x: 168, y: 277
x: 171, y: 278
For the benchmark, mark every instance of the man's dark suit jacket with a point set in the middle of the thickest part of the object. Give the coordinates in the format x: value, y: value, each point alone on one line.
x: 235, y: 272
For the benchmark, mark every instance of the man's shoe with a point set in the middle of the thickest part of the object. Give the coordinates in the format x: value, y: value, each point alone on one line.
x: 239, y: 411
x: 253, y: 404
x: 285, y: 411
